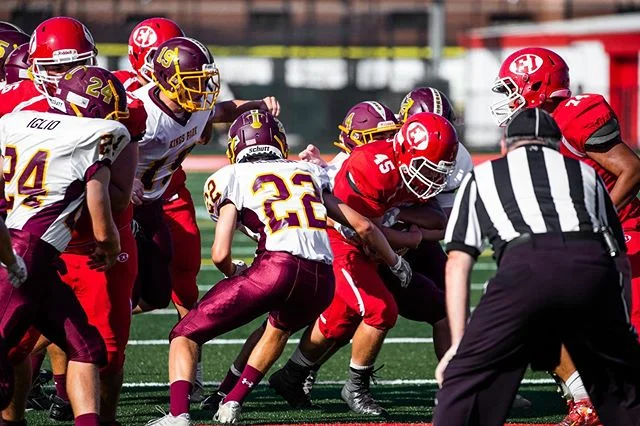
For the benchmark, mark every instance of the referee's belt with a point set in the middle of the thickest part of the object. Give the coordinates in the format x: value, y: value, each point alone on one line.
x: 528, y: 238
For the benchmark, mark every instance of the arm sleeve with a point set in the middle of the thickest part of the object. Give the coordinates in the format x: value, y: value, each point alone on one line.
x: 463, y: 230
x: 99, y: 149
x: 220, y: 189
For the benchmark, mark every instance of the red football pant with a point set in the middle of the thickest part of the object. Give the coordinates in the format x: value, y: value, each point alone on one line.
x: 632, y: 238
x: 360, y: 294
x: 180, y: 217
x: 106, y: 296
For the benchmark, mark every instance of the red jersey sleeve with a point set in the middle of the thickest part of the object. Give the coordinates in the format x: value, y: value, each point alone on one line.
x: 129, y: 79
x: 361, y: 185
x: 586, y: 120
x: 136, y: 123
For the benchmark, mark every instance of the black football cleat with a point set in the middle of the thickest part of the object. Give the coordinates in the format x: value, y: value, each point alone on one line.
x: 60, y: 409
x: 361, y: 401
x: 286, y: 384
x: 212, y: 402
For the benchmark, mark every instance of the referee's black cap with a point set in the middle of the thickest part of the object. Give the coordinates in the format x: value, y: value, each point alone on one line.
x: 533, y: 123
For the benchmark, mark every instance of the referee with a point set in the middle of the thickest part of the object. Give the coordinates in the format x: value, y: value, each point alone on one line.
x: 556, y: 237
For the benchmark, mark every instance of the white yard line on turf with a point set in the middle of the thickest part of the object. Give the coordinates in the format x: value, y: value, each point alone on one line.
x: 395, y: 382
x: 160, y: 342
x: 474, y: 286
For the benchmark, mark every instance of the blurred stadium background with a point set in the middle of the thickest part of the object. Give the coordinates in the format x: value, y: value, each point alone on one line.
x: 319, y: 57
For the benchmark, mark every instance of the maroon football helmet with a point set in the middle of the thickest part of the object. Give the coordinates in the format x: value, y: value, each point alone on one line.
x: 8, y: 26
x: 90, y: 91
x: 9, y: 41
x: 365, y: 122
x: 426, y: 99
x: 16, y: 67
x: 184, y: 70
x: 256, y: 135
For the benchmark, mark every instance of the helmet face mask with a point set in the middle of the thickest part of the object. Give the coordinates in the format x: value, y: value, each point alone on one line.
x: 365, y: 122
x: 528, y: 78
x: 193, y: 85
x: 56, y: 46
x: 425, y: 148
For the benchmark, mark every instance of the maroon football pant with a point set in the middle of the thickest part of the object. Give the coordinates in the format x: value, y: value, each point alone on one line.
x: 46, y: 303
x: 294, y: 291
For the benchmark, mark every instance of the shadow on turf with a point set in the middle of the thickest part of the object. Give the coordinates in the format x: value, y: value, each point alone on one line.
x: 406, y: 404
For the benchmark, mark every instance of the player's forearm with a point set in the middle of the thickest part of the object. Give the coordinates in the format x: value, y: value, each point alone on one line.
x: 227, y: 111
x: 457, y: 274
x: 430, y: 216
x: 432, y: 234
x: 99, y: 205
x: 400, y: 239
x: 6, y: 251
x: 121, y: 183
x: 626, y: 188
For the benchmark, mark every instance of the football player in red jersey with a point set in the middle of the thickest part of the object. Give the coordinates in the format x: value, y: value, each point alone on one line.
x: 375, y: 178
x: 537, y: 77
x: 44, y: 226
x: 112, y: 315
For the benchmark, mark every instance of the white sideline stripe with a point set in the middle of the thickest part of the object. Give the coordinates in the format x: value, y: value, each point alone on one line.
x: 395, y: 382
x: 474, y: 286
x: 158, y: 342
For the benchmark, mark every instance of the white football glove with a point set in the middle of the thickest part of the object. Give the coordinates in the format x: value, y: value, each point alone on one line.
x: 402, y: 270
x: 17, y: 271
x: 240, y: 267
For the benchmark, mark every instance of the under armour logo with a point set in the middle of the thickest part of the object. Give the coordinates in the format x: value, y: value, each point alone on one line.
x: 247, y: 382
x: 526, y: 64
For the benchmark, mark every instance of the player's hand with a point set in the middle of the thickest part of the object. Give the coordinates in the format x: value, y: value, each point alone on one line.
x: 390, y: 217
x: 137, y: 192
x: 402, y: 270
x: 101, y: 259
x: 238, y: 267
x: 271, y: 104
x: 442, y: 365
x: 17, y: 271
x: 312, y: 155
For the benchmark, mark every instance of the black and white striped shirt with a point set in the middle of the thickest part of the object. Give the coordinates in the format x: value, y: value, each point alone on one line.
x: 533, y: 189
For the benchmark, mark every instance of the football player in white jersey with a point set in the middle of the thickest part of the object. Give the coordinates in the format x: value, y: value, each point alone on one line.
x: 284, y: 204
x: 53, y: 165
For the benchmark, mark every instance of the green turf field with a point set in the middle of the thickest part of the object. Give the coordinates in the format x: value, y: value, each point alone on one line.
x: 406, y: 386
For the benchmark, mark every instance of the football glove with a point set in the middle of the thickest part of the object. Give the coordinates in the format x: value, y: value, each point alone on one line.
x: 402, y: 270
x: 390, y: 218
x: 17, y: 271
x: 240, y: 267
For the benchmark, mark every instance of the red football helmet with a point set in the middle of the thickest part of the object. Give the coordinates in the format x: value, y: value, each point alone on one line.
x: 144, y: 41
x: 365, y: 122
x: 16, y: 67
x: 59, y: 44
x: 426, y: 148
x: 90, y: 91
x: 528, y: 77
x: 9, y: 41
x: 256, y: 135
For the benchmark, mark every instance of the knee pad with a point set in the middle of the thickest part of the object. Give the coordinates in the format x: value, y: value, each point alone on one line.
x: 115, y: 363
x: 383, y: 316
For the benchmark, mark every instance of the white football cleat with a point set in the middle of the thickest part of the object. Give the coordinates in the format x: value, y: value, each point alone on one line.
x: 229, y: 412
x: 169, y: 420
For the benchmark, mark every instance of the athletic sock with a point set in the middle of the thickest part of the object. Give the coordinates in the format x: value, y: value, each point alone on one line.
x: 359, y: 376
x: 179, y: 392
x: 90, y: 419
x: 249, y: 379
x: 230, y: 380
x: 576, y: 387
x: 299, y: 358
x: 60, y: 380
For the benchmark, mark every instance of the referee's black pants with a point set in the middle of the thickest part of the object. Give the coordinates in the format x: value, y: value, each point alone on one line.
x: 522, y: 319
